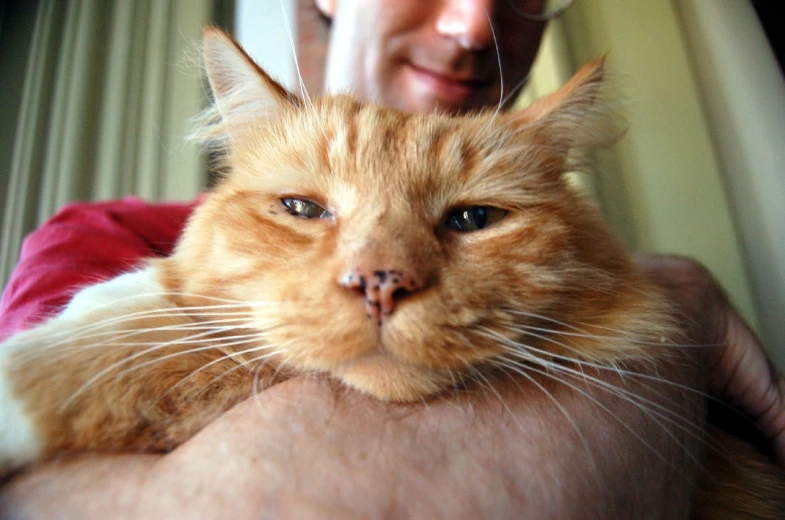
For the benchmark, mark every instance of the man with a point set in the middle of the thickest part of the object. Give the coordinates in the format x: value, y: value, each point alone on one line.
x: 305, y: 449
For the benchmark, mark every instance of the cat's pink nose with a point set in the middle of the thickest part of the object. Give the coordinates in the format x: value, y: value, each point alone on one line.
x: 383, y: 289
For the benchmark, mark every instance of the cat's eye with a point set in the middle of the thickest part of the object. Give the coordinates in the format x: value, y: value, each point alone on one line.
x: 304, y: 208
x: 474, y: 218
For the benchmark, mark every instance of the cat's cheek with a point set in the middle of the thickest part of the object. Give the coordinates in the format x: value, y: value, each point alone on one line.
x: 20, y: 443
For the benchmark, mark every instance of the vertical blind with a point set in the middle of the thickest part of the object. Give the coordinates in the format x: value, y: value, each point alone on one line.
x: 98, y: 94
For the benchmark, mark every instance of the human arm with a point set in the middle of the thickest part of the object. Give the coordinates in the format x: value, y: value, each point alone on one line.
x: 305, y: 449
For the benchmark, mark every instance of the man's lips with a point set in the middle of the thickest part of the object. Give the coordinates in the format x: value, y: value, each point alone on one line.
x: 450, y: 88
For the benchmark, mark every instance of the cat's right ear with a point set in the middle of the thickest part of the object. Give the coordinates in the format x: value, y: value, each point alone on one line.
x: 242, y: 90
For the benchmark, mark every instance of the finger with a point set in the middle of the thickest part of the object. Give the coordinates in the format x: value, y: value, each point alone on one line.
x: 743, y: 374
x: 739, y: 370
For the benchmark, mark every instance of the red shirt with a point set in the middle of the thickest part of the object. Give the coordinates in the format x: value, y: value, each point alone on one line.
x: 82, y: 244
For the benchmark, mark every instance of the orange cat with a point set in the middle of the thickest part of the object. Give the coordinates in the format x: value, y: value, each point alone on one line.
x: 398, y: 253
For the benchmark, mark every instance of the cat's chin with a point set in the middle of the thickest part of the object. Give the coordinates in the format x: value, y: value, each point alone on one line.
x: 385, y: 378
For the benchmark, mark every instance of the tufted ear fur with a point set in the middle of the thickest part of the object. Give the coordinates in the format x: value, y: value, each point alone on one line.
x: 577, y: 117
x: 242, y: 91
x: 581, y: 90
x: 238, y: 84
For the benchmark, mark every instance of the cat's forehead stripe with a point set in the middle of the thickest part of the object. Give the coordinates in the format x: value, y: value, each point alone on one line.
x: 367, y: 152
x: 455, y: 152
x: 371, y: 132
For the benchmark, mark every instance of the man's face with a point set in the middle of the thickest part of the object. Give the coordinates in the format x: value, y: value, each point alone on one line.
x: 417, y: 55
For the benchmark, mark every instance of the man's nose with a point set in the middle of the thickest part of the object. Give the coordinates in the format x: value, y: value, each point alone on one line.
x: 468, y: 22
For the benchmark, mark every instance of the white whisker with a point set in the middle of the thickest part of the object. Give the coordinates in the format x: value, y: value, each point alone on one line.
x: 136, y: 355
x: 607, y: 366
x: 559, y: 406
x: 529, y: 353
x: 499, y: 60
x: 650, y: 408
x: 622, y: 334
x: 244, y: 364
x: 148, y: 313
x: 605, y: 408
x: 293, y: 47
x: 211, y: 346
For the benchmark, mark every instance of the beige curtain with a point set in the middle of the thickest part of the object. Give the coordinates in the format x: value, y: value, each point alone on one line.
x: 743, y: 93
x: 96, y: 98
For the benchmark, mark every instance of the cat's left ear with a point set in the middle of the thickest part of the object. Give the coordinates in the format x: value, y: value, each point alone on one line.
x: 242, y: 90
x: 577, y: 116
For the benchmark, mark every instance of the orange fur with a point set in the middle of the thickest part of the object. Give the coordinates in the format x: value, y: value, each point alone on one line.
x: 388, y: 180
x: 149, y: 399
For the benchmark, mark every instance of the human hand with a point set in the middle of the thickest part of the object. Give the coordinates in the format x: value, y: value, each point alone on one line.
x: 738, y: 369
x: 306, y: 449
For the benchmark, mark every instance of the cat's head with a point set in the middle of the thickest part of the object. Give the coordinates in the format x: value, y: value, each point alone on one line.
x: 396, y: 251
